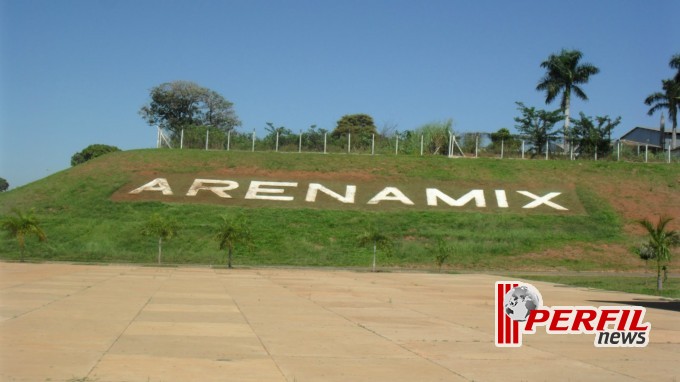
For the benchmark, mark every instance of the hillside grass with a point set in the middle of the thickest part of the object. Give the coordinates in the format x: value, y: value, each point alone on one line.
x: 83, y: 224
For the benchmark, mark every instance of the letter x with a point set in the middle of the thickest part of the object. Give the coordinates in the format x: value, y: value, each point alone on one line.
x: 538, y: 200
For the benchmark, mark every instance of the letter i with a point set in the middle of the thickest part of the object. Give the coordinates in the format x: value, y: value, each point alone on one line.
x: 501, y: 199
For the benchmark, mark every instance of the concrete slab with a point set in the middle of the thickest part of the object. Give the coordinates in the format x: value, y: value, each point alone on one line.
x: 126, y: 323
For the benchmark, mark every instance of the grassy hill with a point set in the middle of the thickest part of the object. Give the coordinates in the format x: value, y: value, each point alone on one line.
x: 89, y: 215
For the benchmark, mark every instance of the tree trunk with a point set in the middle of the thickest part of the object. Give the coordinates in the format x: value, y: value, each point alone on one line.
x: 374, y: 250
x: 229, y: 259
x: 565, y: 143
x: 659, y: 281
x: 160, y: 246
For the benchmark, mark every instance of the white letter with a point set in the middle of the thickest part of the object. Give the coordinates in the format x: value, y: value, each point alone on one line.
x: 433, y: 194
x: 350, y: 191
x: 395, y: 195
x: 219, y: 191
x: 158, y: 184
x: 255, y: 188
x: 542, y: 200
x: 501, y: 199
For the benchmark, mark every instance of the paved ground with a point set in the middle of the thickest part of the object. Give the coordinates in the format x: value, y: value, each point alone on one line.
x: 128, y: 323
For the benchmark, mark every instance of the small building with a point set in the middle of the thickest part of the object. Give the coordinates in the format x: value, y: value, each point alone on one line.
x: 647, y: 136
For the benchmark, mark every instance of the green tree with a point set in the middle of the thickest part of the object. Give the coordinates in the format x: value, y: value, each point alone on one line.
x: 660, y: 243
x: 372, y: 236
x: 360, y: 126
x: 20, y: 225
x: 505, y: 138
x: 675, y: 64
x: 668, y: 99
x: 537, y: 125
x: 161, y: 227
x: 176, y: 105
x: 230, y: 232
x: 91, y: 152
x: 592, y: 139
x: 4, y: 184
x: 564, y: 74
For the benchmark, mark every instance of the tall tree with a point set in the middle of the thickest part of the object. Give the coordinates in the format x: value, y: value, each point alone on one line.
x: 564, y: 74
x: 668, y: 99
x: 675, y: 64
x: 21, y: 225
x: 537, y: 125
x: 232, y: 232
x: 161, y: 227
x: 176, y: 105
x: 660, y: 243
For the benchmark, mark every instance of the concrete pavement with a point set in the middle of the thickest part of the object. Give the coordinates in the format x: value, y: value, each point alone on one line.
x: 130, y: 323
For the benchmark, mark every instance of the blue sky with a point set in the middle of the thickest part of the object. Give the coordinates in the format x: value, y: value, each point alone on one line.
x: 73, y: 73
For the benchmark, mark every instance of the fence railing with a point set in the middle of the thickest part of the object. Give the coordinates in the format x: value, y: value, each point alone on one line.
x: 469, y: 145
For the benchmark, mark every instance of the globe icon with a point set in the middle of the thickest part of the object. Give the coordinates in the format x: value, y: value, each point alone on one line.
x: 520, y: 301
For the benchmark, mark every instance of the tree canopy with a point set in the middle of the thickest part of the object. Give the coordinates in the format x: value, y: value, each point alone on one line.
x: 179, y: 104
x: 564, y: 74
x: 355, y: 124
x: 591, y: 138
x: 537, y: 125
x: 91, y: 152
x: 4, y: 185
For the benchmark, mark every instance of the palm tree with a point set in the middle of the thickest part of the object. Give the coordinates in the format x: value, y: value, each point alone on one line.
x: 564, y: 75
x: 162, y: 228
x: 668, y: 99
x: 231, y: 232
x: 660, y: 243
x: 20, y: 225
x: 372, y: 236
x: 675, y: 64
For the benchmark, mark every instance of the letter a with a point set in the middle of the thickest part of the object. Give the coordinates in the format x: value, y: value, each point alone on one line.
x: 390, y: 193
x: 158, y: 184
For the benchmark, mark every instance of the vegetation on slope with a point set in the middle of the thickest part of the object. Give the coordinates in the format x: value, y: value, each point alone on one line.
x: 83, y: 223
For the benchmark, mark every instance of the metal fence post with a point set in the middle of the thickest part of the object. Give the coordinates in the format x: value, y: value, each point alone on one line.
x: 181, y: 140
x: 421, y: 144
x: 207, y: 137
x: 646, y: 152
x: 325, y: 136
x: 300, y: 143
x: 253, y: 149
x: 349, y: 142
x: 228, y: 139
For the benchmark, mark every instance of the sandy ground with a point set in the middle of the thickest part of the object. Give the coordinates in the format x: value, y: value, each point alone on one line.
x: 127, y: 323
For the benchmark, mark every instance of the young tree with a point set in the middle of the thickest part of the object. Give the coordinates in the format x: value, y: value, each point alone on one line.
x: 91, y: 152
x: 230, y: 232
x: 372, y: 236
x: 564, y: 74
x: 161, y: 227
x: 175, y: 105
x: 537, y: 125
x: 4, y: 185
x: 660, y: 243
x: 592, y: 139
x: 21, y: 225
x: 443, y: 253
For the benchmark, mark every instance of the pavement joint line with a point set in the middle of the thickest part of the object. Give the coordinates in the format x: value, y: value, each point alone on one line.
x: 60, y: 298
x: 245, y: 318
x: 122, y: 332
x: 383, y: 337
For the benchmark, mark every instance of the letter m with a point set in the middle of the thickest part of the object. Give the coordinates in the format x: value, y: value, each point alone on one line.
x: 433, y: 195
